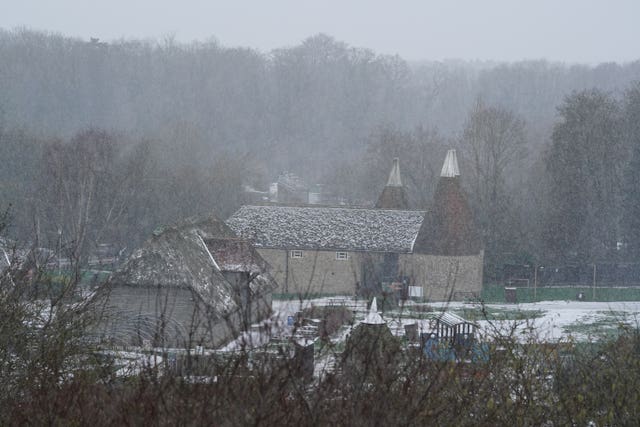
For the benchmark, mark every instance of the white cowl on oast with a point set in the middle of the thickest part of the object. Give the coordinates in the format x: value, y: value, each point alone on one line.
x: 373, y: 318
x: 450, y: 166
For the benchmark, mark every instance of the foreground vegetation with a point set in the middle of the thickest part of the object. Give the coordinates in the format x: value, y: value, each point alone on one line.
x: 53, y: 373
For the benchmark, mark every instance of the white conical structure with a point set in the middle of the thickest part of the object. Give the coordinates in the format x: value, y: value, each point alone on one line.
x: 450, y: 166
x: 394, y: 176
x: 373, y: 318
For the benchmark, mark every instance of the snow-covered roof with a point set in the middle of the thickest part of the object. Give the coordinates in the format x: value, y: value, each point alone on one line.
x: 451, y: 319
x: 238, y: 255
x: 176, y: 256
x: 235, y: 255
x: 352, y: 229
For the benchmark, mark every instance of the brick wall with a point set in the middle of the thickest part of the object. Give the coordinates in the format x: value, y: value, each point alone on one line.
x: 316, y: 272
x: 442, y: 277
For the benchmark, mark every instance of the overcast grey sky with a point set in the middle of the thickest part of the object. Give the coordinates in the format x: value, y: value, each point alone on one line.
x: 588, y: 31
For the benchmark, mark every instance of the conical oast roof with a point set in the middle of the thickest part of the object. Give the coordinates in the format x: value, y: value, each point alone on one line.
x: 394, y: 195
x: 449, y: 228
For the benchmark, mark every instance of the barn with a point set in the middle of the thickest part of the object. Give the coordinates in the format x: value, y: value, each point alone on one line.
x: 341, y: 250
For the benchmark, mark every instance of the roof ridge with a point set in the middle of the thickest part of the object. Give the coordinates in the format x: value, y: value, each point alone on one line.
x: 316, y: 207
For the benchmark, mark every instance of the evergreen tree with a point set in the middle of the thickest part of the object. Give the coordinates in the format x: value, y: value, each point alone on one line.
x: 631, y: 196
x: 493, y: 141
x: 584, y: 178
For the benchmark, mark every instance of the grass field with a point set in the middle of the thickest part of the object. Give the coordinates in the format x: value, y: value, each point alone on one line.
x: 495, y: 294
x: 87, y: 277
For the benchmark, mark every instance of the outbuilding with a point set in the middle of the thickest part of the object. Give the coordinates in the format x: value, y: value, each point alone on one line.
x: 172, y: 292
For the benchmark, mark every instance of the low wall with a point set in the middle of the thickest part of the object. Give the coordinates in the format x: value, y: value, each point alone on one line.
x: 444, y: 278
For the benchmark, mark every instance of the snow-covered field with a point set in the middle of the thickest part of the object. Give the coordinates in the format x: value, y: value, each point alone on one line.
x: 548, y: 320
x: 572, y: 319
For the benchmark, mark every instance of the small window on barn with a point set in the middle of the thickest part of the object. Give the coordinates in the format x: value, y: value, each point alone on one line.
x: 296, y: 254
x: 342, y: 256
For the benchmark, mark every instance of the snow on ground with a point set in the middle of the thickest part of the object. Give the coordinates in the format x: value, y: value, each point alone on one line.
x: 131, y: 363
x: 564, y: 319
x: 556, y: 320
x: 549, y: 320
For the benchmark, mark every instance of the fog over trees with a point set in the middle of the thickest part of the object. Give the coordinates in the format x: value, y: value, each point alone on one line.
x: 164, y: 130
x: 125, y: 298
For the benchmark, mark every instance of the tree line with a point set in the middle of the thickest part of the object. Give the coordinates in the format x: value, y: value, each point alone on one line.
x: 105, y: 141
x: 575, y: 200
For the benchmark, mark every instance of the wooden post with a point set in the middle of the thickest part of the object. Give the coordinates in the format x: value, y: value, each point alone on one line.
x: 535, y: 282
x: 287, y: 254
x: 594, y: 282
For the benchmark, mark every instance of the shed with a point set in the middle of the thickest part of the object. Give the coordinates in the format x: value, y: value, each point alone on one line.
x: 172, y: 292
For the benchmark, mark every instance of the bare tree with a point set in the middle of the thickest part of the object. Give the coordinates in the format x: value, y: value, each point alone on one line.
x: 494, y: 143
x: 87, y: 186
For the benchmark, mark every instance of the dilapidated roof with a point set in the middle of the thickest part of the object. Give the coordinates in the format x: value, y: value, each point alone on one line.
x: 239, y: 255
x: 236, y: 255
x: 176, y: 256
x: 329, y: 228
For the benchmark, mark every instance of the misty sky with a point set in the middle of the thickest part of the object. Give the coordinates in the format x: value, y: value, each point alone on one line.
x: 564, y: 30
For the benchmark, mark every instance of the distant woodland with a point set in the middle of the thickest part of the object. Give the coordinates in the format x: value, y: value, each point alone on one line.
x: 103, y: 142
